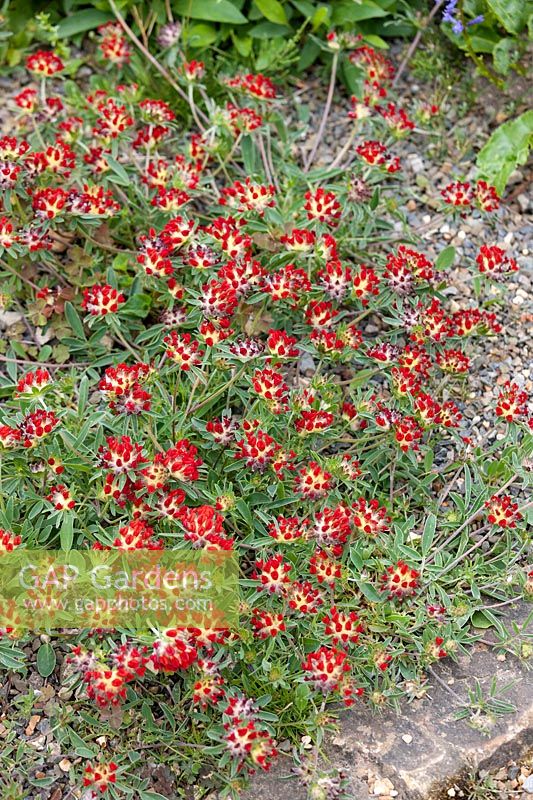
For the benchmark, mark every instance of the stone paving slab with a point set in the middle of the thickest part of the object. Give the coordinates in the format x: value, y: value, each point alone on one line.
x: 426, y: 751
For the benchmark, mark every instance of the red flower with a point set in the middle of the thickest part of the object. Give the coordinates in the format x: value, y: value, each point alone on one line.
x: 243, y: 740
x: 453, y: 361
x: 34, y: 382
x: 331, y: 526
x: 287, y: 529
x: 36, y: 425
x: 312, y: 481
x: 8, y: 541
x: 326, y: 569
x: 313, y: 421
x: 281, y: 345
x: 61, y: 498
x: 322, y: 205
x: 136, y: 535
x: 7, y: 235
x: 303, y: 597
x: 501, y: 511
x: 273, y: 574
x: 248, y: 196
x: 326, y: 668
x: 204, y: 527
x: 342, y: 626
x: 258, y: 450
x: 269, y: 384
x: 107, y: 687
x: 493, y: 261
x: 365, y: 283
x: 287, y: 283
x: 182, y: 462
x: 172, y: 653
x: 266, y: 624
x: 400, y: 581
x: 44, y: 63
x: 121, y: 454
x: 100, y: 775
x: 301, y: 241
x: 512, y: 402
x: 183, y: 350
x: 49, y: 202
x: 101, y: 300
x: 408, y: 433
x: 256, y: 85
x: 458, y: 194
x: 486, y: 196
x: 113, y: 45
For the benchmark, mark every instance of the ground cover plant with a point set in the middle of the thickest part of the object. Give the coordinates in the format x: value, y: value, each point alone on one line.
x: 201, y: 378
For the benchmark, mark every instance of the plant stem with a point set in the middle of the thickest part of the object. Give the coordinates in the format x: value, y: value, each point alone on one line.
x: 325, y: 115
x: 414, y: 44
x: 159, y: 67
x: 192, y: 104
x: 468, y: 521
x: 344, y: 149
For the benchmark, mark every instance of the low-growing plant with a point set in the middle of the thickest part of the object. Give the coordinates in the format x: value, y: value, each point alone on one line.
x: 203, y: 374
x: 265, y: 35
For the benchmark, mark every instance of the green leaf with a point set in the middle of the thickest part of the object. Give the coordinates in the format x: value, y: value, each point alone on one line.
x: 243, y: 44
x: 445, y: 258
x: 81, y: 748
x: 428, y: 535
x: 250, y: 156
x: 320, y: 17
x: 479, y: 620
x: 504, y: 54
x: 66, y: 534
x: 508, y: 146
x: 210, y: 10
x: 273, y: 11
x: 120, y: 176
x: 151, y: 796
x: 352, y: 77
x: 138, y: 305
x: 348, y: 11
x: 308, y: 55
x: 200, y: 35
x: 46, y: 660
x: 361, y: 377
x: 369, y: 592
x: 82, y: 21
x: 511, y: 13
x: 271, y: 33
x: 375, y: 41
x: 11, y: 658
x: 301, y: 696
x: 74, y: 320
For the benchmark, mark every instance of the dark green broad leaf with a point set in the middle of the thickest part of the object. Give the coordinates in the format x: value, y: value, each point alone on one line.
x: 512, y: 14
x: 508, y: 146
x: 273, y: 10
x: 210, y: 10
x: 86, y: 20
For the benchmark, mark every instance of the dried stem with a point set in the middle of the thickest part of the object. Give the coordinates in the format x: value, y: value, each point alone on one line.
x: 325, y: 115
x: 414, y: 44
x: 159, y: 67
